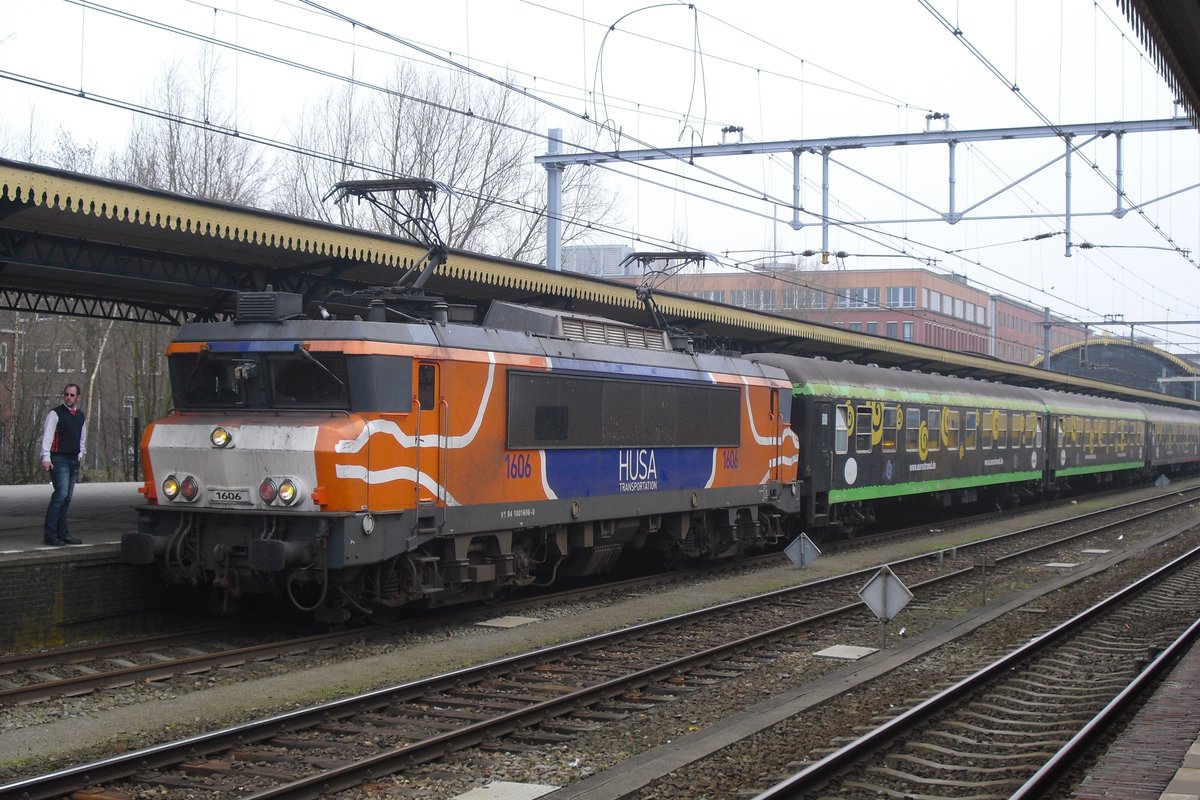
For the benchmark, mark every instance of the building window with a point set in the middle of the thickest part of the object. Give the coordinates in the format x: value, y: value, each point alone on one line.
x: 41, y: 359
x: 861, y: 297
x: 3, y: 356
x: 908, y: 331
x: 902, y: 296
x: 753, y: 298
x: 872, y: 328
x: 893, y: 328
x: 70, y: 359
x: 947, y: 305
x: 935, y: 301
x: 856, y: 326
x: 959, y: 311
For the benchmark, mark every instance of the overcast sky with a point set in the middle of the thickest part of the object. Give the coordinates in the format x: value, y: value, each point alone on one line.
x: 666, y: 75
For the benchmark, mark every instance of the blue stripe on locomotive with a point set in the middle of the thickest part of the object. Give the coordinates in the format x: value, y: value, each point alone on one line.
x: 254, y: 346
x: 594, y: 473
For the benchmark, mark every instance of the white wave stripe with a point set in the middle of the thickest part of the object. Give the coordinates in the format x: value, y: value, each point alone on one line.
x: 758, y: 437
x: 381, y: 476
x: 550, y: 495
x: 782, y: 461
x: 712, y: 473
x: 389, y: 428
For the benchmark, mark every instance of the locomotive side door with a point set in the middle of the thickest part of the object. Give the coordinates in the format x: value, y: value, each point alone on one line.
x: 430, y: 410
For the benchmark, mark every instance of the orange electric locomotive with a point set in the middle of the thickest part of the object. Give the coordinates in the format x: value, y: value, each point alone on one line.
x: 360, y: 466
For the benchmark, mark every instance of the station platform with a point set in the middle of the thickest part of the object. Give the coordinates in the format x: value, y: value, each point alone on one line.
x: 1157, y: 756
x: 99, y: 514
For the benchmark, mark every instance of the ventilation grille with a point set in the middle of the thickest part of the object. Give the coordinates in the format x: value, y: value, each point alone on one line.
x: 600, y: 332
x: 268, y: 306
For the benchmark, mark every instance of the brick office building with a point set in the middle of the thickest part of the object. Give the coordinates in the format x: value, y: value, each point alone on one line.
x: 915, y: 305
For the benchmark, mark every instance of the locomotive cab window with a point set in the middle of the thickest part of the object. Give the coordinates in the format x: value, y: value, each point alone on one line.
x: 308, y: 380
x: 208, y: 380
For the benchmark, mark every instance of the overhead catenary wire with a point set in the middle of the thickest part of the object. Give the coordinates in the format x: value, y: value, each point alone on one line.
x: 747, y: 192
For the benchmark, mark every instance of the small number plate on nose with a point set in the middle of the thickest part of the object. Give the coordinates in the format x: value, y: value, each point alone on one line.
x: 229, y: 497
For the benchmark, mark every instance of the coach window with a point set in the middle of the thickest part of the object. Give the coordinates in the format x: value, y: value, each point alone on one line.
x: 1018, y: 429
x: 1121, y: 435
x: 935, y: 429
x: 862, y: 430
x: 969, y: 432
x: 1089, y: 441
x: 951, y: 440
x: 1002, y: 430
x: 891, y: 425
x: 986, y: 431
x: 841, y: 434
x: 1031, y: 429
x: 912, y: 432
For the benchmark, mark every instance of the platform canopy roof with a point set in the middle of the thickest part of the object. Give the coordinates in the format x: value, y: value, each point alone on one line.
x: 77, y: 244
x: 1170, y: 32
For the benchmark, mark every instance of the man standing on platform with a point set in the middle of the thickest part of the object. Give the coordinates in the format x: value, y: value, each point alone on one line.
x: 64, y: 443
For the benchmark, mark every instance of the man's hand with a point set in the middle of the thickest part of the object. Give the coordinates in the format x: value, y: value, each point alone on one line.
x: 46, y: 466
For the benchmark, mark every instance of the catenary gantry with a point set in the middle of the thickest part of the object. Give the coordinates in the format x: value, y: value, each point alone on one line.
x: 76, y: 244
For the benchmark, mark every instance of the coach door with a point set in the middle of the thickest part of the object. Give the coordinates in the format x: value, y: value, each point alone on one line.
x: 821, y: 447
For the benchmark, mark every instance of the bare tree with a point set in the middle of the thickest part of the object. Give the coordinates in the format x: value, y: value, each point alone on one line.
x: 190, y: 149
x: 478, y: 141
x: 328, y: 131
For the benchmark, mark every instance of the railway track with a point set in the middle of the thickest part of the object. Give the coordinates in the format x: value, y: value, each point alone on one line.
x: 82, y: 669
x: 1013, y: 728
x: 537, y: 698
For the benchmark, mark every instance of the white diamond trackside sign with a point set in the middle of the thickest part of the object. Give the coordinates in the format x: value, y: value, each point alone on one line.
x: 885, y: 594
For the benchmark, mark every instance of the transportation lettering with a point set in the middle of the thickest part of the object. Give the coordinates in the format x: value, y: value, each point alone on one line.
x: 636, y: 471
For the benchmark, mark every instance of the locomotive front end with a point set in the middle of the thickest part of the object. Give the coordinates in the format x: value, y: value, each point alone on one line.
x: 250, y: 484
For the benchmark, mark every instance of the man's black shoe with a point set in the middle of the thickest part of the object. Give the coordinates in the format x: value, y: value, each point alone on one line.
x: 53, y: 542
x: 69, y: 539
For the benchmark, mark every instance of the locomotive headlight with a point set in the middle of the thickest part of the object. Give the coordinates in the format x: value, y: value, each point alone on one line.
x: 170, y: 487
x: 220, y: 437
x: 268, y: 491
x: 190, y: 488
x: 289, y: 493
